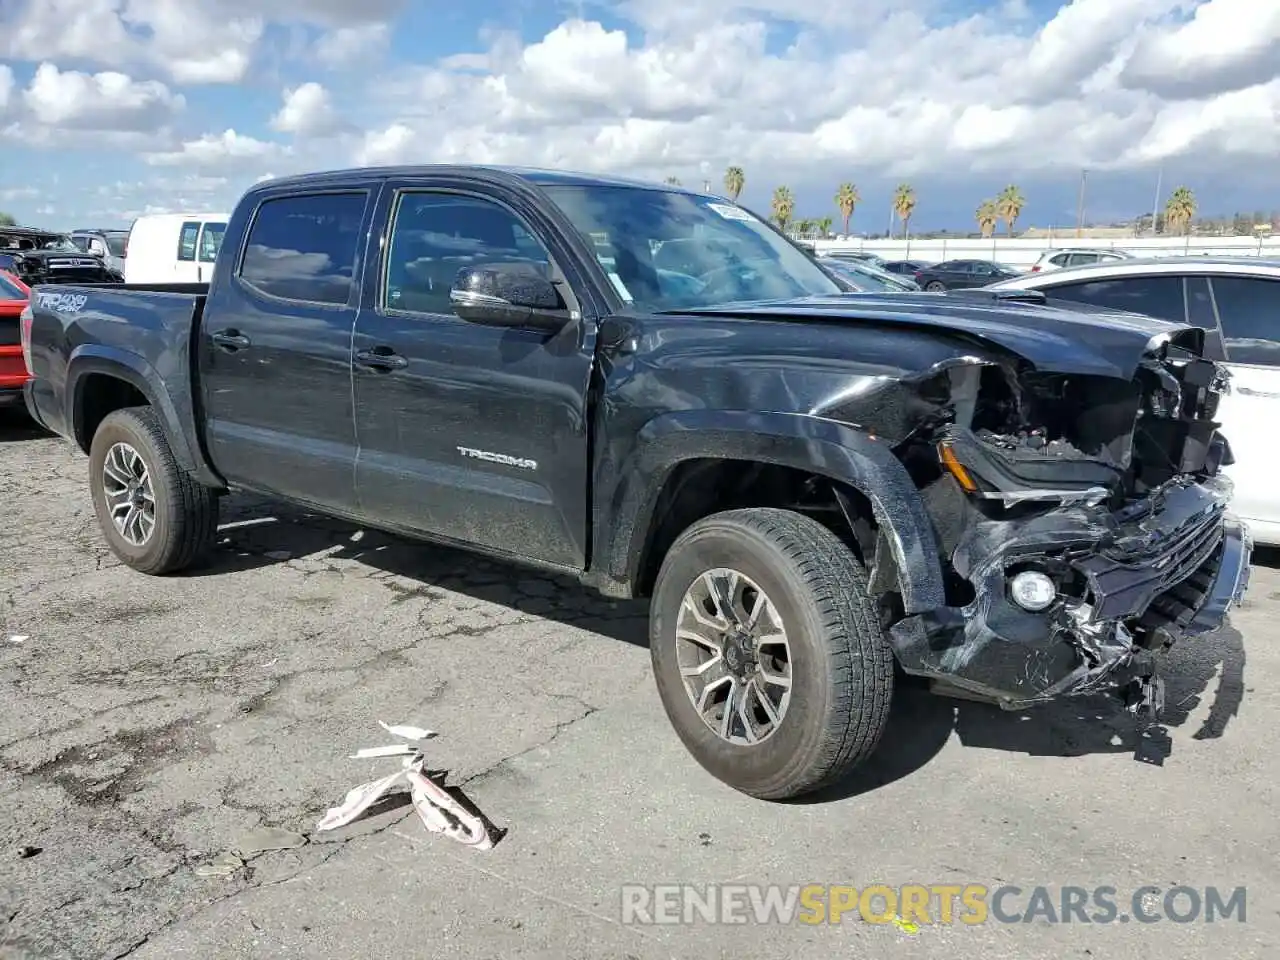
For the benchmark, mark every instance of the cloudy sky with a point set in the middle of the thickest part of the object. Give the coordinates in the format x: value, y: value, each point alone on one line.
x: 113, y: 108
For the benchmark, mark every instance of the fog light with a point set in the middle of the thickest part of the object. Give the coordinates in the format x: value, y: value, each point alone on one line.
x: 1032, y: 590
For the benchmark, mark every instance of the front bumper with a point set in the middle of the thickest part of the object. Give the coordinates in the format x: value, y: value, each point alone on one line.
x: 1142, y: 580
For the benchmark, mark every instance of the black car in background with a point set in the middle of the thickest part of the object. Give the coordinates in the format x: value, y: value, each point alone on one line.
x: 906, y: 268
x: 959, y: 274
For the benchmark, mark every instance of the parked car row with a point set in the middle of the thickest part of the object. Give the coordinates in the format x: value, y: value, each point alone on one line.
x: 161, y: 248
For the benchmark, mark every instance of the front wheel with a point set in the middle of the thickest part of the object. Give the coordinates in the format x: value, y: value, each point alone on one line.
x: 155, y: 516
x: 935, y: 286
x: 768, y: 653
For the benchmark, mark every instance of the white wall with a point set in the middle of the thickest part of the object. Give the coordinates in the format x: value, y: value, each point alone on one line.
x: 1019, y: 252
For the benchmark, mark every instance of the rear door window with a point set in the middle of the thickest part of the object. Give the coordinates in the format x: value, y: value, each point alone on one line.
x: 1060, y: 260
x: 187, y: 239
x: 1159, y: 297
x: 211, y: 241
x: 304, y: 248
x: 1080, y: 259
x: 1249, y: 310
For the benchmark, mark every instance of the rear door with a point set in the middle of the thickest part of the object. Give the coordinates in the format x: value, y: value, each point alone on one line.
x: 1249, y: 311
x: 467, y: 432
x: 275, y: 346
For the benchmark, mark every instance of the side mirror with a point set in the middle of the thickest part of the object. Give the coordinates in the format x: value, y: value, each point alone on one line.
x: 508, y: 295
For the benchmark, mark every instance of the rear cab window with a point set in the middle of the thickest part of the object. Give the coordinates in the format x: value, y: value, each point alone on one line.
x: 304, y: 247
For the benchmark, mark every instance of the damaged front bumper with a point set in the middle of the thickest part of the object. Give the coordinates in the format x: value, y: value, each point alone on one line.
x: 1130, y: 582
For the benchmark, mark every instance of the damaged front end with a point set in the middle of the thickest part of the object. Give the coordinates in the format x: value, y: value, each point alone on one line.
x: 1082, y: 522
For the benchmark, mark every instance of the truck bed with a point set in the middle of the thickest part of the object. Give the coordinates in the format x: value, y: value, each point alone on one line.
x: 145, y: 330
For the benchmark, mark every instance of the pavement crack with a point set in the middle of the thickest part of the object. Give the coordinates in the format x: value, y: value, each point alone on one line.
x: 559, y: 728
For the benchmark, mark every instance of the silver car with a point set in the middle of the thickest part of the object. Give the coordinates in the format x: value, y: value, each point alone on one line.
x: 110, y: 245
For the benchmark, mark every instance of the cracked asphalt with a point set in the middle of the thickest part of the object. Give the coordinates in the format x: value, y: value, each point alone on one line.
x: 151, y: 726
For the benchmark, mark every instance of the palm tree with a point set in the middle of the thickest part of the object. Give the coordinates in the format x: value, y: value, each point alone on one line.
x: 1180, y: 210
x: 904, y: 204
x: 784, y: 205
x: 1009, y: 206
x: 6, y: 220
x: 847, y: 199
x: 987, y: 217
x: 734, y: 180
x: 804, y: 227
x: 674, y: 181
x: 823, y: 225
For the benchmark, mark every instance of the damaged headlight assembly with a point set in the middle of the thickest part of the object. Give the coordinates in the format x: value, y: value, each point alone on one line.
x: 1083, y: 527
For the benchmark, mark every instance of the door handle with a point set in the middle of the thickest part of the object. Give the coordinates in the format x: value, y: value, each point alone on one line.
x: 381, y: 358
x: 231, y: 340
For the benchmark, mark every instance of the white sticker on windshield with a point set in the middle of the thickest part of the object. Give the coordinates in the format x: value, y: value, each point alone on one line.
x: 621, y: 287
x: 731, y: 213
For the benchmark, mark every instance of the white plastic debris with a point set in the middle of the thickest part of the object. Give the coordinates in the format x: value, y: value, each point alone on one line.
x: 406, y: 732
x: 435, y: 806
x: 19, y: 637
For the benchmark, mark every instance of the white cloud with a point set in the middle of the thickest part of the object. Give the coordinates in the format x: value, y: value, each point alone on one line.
x: 393, y: 145
x: 217, y: 150
x: 979, y: 94
x: 346, y: 45
x: 1226, y: 45
x: 191, y: 41
x: 797, y: 91
x: 105, y: 101
x: 6, y: 88
x: 308, y: 112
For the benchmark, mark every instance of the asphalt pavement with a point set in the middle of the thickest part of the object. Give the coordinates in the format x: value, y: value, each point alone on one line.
x: 157, y: 733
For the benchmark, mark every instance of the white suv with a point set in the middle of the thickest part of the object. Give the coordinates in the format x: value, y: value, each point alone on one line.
x: 1235, y: 299
x: 1058, y: 259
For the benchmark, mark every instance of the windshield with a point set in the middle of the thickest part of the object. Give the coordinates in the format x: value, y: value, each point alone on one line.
x: 116, y: 243
x: 668, y: 251
x: 865, y: 275
x: 10, y: 290
x: 63, y: 244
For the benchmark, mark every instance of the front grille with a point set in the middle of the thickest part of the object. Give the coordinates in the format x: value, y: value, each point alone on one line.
x: 1126, y: 577
x: 1189, y: 552
x: 1175, y: 608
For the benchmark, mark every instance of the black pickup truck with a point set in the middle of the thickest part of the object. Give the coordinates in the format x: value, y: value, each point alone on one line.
x: 655, y: 391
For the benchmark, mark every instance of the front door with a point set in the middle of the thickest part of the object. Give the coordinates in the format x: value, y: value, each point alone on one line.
x: 275, y: 349
x: 470, y: 433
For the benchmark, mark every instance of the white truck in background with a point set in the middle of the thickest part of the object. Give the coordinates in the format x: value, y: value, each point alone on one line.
x: 174, y: 247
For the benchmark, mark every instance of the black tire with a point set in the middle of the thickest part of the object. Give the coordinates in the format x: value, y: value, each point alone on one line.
x: 841, y: 662
x: 935, y: 286
x: 186, y: 512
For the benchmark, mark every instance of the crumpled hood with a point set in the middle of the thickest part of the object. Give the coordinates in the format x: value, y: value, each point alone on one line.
x: 1087, y: 340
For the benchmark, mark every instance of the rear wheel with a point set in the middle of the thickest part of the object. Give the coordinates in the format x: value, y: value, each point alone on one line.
x: 768, y: 653
x: 156, y: 518
x: 934, y: 286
